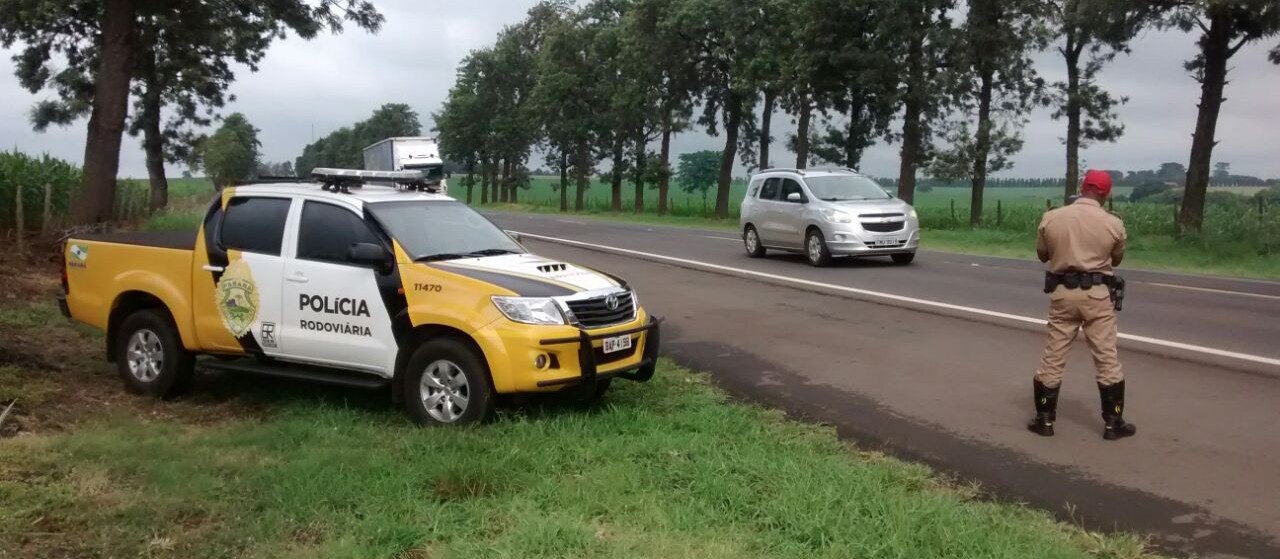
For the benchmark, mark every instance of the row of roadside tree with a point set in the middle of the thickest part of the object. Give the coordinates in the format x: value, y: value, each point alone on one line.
x: 952, y: 82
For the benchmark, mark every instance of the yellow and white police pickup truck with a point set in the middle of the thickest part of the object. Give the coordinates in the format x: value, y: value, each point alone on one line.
x: 346, y: 282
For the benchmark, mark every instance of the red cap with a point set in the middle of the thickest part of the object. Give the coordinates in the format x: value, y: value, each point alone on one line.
x: 1098, y: 182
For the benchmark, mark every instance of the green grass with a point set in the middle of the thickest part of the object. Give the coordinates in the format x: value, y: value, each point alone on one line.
x: 667, y: 469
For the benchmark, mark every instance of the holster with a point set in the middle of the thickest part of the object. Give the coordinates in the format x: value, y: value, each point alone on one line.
x: 1116, y: 287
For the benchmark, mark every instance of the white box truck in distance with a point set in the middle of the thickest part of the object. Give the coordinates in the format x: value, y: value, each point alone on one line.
x: 408, y: 154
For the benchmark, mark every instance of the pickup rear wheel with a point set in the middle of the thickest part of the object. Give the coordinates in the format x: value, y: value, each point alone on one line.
x: 150, y: 356
x: 447, y: 384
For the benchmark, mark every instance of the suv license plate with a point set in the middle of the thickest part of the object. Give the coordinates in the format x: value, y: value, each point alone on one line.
x: 614, y: 345
x: 886, y: 242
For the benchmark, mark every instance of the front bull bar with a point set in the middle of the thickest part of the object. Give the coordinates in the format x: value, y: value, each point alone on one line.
x: 587, y: 357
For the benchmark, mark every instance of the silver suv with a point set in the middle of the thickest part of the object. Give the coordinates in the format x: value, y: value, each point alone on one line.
x: 825, y: 213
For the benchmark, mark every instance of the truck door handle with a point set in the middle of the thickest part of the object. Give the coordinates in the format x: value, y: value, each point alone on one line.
x: 297, y: 278
x: 211, y: 268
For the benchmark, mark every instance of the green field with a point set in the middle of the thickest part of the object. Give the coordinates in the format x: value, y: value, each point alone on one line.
x: 247, y: 467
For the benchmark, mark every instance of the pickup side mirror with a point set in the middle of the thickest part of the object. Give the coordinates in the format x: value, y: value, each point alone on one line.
x: 795, y: 197
x: 517, y: 237
x: 369, y: 254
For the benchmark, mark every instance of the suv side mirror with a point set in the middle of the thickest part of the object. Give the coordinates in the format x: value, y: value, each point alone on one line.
x: 369, y: 254
x: 795, y: 197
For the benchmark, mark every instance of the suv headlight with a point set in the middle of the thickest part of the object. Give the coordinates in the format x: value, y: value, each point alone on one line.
x: 530, y: 310
x: 836, y: 216
x: 911, y: 213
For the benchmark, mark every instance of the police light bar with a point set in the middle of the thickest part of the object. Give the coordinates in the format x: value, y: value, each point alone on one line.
x: 339, y: 180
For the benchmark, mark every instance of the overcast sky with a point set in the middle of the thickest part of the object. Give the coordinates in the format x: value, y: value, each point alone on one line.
x: 305, y: 89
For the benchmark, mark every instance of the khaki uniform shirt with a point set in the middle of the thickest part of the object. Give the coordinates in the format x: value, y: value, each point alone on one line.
x: 1082, y: 237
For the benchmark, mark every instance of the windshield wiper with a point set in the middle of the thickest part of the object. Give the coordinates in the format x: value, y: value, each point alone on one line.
x: 491, y: 252
x: 440, y: 256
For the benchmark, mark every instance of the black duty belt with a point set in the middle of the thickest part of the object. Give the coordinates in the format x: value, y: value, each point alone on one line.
x: 1086, y: 280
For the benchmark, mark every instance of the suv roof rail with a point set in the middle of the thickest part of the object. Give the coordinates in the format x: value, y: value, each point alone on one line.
x: 267, y: 179
x: 836, y: 169
x: 782, y: 170
x: 341, y: 180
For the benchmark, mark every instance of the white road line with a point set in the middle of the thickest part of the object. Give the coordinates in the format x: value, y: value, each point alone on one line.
x: 1210, y: 290
x: 722, y: 238
x: 572, y: 221
x: 900, y: 298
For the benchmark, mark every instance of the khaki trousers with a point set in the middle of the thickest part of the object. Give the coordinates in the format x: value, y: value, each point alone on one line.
x: 1072, y: 310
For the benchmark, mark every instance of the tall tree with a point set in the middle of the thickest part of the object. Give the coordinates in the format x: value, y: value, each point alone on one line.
x: 1226, y: 26
x: 1089, y: 34
x: 230, y: 153
x: 173, y: 53
x: 861, y: 74
x: 568, y: 99
x: 994, y: 83
x: 725, y: 42
x: 658, y: 42
x: 919, y: 37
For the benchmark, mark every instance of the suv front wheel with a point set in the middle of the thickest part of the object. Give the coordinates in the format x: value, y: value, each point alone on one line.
x: 448, y: 384
x: 751, y: 241
x: 815, y: 248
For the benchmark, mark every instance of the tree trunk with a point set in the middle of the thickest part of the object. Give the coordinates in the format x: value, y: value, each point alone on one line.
x: 852, y: 141
x: 106, y: 119
x: 639, y: 172
x: 664, y: 180
x: 484, y: 180
x: 766, y: 118
x: 983, y: 141
x: 1073, y: 115
x: 581, y: 168
x: 504, y: 189
x: 615, y: 175
x: 564, y: 181
x: 912, y: 111
x: 802, y: 131
x: 494, y: 183
x: 152, y: 139
x: 471, y: 179
x: 732, y: 120
x: 514, y: 195
x: 1216, y: 50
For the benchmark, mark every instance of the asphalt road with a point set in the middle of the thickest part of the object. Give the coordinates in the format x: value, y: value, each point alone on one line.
x: 951, y: 387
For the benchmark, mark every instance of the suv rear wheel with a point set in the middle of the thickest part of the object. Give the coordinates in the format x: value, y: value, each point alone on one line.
x: 448, y: 384
x: 751, y: 241
x: 150, y: 357
x: 815, y: 248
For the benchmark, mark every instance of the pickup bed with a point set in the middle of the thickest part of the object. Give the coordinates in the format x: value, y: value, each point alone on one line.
x: 368, y: 287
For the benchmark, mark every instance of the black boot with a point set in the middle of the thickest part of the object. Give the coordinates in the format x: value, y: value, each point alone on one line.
x: 1046, y: 409
x: 1113, y: 412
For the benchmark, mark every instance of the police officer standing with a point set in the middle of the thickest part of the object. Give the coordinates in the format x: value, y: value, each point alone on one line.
x: 1080, y: 244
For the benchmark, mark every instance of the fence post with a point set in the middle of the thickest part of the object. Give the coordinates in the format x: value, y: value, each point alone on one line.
x: 18, y: 225
x: 999, y: 213
x: 48, y: 208
x: 953, y: 212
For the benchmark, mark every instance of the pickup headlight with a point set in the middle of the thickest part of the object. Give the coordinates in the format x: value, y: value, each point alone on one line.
x: 836, y: 216
x: 529, y: 310
x: 911, y: 213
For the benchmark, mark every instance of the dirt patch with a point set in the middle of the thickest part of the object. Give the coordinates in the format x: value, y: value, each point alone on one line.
x: 57, y: 373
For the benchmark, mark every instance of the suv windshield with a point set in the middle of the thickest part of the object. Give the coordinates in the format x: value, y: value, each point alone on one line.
x: 838, y: 188
x: 442, y: 230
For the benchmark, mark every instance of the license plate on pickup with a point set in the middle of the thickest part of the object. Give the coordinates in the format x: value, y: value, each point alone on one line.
x: 616, y: 344
x: 884, y: 242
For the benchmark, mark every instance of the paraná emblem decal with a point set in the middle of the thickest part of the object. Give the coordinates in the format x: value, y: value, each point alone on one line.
x: 237, y: 298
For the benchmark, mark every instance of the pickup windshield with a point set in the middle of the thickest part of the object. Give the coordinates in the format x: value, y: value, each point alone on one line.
x: 442, y: 230
x: 839, y: 188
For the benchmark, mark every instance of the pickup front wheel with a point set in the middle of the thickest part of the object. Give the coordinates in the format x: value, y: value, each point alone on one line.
x: 448, y: 384
x: 150, y: 356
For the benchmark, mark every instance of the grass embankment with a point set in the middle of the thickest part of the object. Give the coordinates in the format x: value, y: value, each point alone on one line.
x: 246, y: 467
